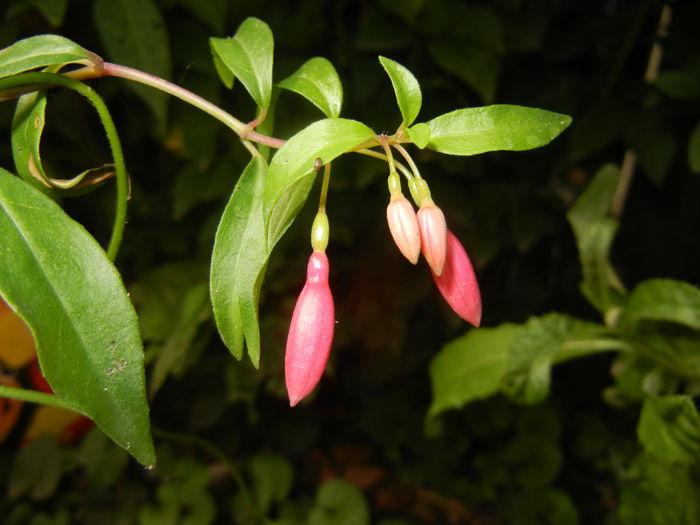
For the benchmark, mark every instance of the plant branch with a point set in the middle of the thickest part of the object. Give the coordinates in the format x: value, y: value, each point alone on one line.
x: 32, y: 396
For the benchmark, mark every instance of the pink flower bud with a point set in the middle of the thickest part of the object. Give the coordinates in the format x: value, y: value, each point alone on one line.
x: 433, y: 236
x: 311, y: 331
x: 403, y: 226
x: 457, y: 284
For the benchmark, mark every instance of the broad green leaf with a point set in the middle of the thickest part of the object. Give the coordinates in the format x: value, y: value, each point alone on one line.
x: 534, y: 461
x: 595, y: 232
x: 133, y: 31
x: 59, y: 280
x: 104, y: 463
x: 238, y: 263
x: 406, y: 88
x: 654, y: 492
x: 669, y: 428
x: 476, y: 67
x: 339, y: 502
x: 318, y: 82
x: 543, y: 342
x: 665, y: 300
x: 470, y: 367
x: 419, y: 134
x: 42, y: 51
x: 248, y: 55
x: 471, y: 131
x: 288, y: 181
x: 694, y: 149
x: 27, y: 127
x: 272, y: 477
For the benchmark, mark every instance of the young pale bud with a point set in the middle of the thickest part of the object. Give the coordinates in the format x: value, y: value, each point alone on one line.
x: 311, y: 331
x: 403, y: 226
x: 457, y: 284
x: 433, y: 235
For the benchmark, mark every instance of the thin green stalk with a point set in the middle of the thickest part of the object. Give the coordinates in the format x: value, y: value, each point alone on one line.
x: 409, y: 160
x: 324, y: 187
x: 32, y: 396
x: 112, y: 138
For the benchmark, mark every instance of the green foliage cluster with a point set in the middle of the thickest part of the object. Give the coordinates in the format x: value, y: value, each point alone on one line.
x: 611, y: 434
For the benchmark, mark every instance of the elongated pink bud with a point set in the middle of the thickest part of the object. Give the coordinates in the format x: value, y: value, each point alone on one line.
x: 311, y: 331
x: 403, y: 226
x: 433, y: 235
x: 457, y: 284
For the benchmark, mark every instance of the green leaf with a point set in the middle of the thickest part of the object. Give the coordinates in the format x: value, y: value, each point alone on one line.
x: 53, y: 10
x: 272, y: 476
x: 595, y: 232
x: 679, y: 84
x: 654, y: 144
x: 470, y: 367
x: 318, y: 82
x: 211, y: 12
x: 657, y: 493
x: 476, y: 67
x: 27, y: 127
x: 133, y: 31
x: 406, y: 88
x: 669, y: 428
x: 103, y: 463
x: 42, y: 51
x: 546, y: 505
x: 37, y: 469
x: 248, y: 55
x: 665, y: 300
x: 471, y: 131
x: 419, y: 134
x: 339, y: 502
x: 222, y: 70
x: 544, y: 341
x: 58, y: 279
x: 288, y: 182
x: 694, y: 149
x: 238, y: 263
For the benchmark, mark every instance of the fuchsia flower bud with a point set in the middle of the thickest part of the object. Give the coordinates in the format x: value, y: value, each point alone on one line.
x: 433, y: 235
x: 403, y: 226
x: 311, y: 331
x: 457, y: 283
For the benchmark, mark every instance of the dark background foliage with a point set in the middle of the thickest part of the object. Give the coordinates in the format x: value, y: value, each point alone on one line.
x: 491, y: 462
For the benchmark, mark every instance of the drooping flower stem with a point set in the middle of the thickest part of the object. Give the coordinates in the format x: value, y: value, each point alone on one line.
x: 409, y: 160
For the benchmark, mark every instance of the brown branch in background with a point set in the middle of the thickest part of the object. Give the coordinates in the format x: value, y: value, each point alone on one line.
x: 629, y: 161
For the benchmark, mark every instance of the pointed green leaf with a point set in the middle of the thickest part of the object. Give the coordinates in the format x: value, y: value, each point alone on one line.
x: 419, y: 134
x: 133, y: 31
x: 288, y: 182
x: 545, y: 341
x: 238, y: 263
x: 42, y: 51
x: 318, y: 82
x: 471, y: 131
x: 665, y: 300
x: 27, y: 128
x: 272, y: 477
x: 248, y: 54
x: 595, y: 232
x: 58, y: 279
x: 406, y: 88
x: 669, y: 428
x: 53, y: 10
x: 224, y: 72
x: 470, y: 367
